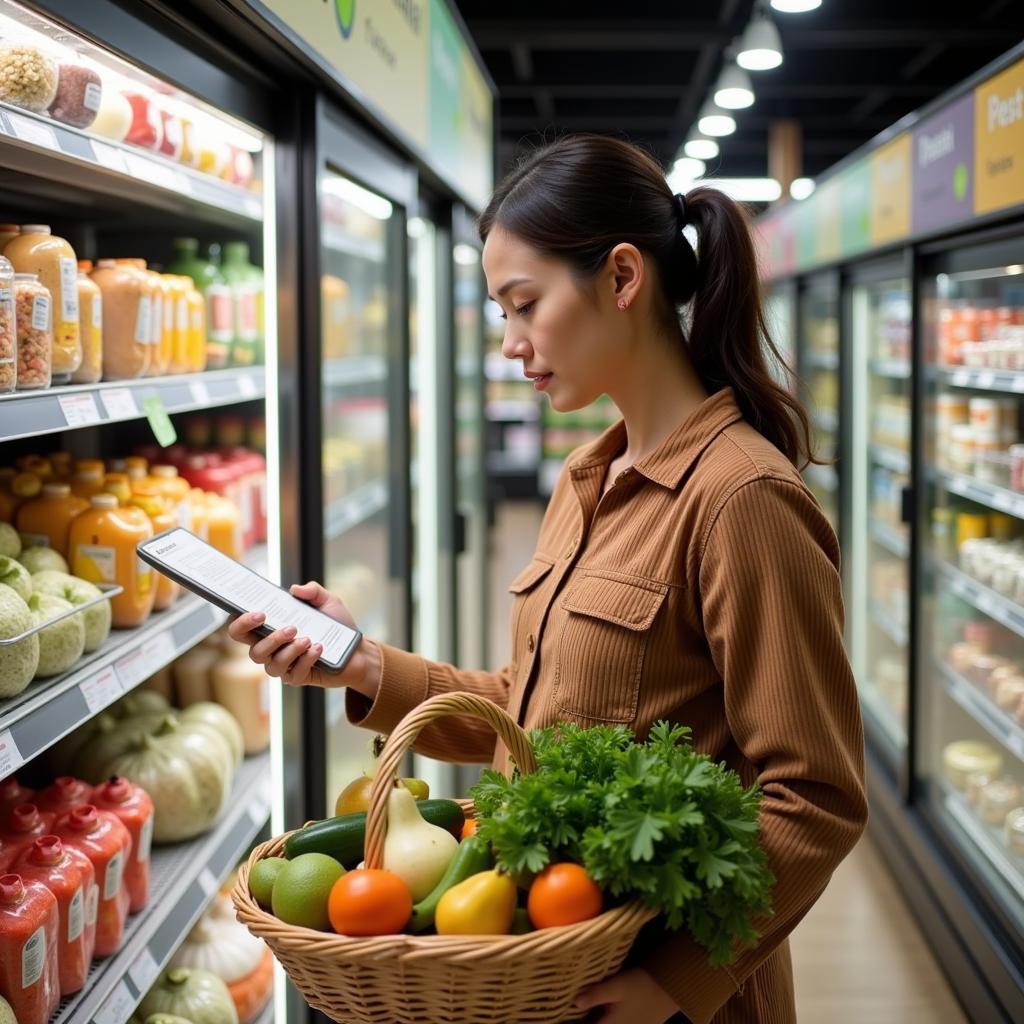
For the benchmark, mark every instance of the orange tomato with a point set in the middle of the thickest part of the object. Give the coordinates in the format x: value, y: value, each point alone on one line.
x: 369, y: 902
x: 469, y: 828
x: 563, y: 894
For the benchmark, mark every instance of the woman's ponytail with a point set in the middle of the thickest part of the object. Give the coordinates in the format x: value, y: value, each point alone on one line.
x: 728, y: 338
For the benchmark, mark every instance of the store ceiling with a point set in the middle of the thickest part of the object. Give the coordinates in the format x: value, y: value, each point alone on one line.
x: 643, y: 68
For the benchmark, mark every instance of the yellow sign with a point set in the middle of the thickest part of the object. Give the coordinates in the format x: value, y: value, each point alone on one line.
x: 827, y: 242
x: 890, y: 190
x: 476, y: 128
x: 999, y: 141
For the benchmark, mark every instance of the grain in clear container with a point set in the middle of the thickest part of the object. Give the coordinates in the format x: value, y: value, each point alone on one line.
x: 8, y: 330
x: 33, y: 317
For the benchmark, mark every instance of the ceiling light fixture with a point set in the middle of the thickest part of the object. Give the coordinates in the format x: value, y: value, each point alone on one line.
x: 733, y: 90
x: 760, y: 48
x: 795, y: 6
x: 801, y: 188
x: 715, y: 121
x: 689, y: 167
x: 700, y: 148
x: 747, y: 190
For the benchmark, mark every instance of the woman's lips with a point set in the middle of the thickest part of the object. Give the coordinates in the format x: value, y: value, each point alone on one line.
x: 541, y: 382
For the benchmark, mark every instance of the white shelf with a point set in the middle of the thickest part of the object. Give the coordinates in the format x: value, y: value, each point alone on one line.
x: 895, y: 369
x: 70, y: 155
x: 998, y: 498
x: 822, y: 360
x: 891, y: 458
x: 883, y: 619
x: 31, y: 413
x: 354, y: 371
x: 184, y: 878
x: 355, y: 508
x: 988, y: 601
x: 894, y: 541
x: 1011, y: 381
x: 997, y: 723
x: 338, y: 240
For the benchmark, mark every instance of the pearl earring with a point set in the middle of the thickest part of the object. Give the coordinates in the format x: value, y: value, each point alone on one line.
x: 623, y: 305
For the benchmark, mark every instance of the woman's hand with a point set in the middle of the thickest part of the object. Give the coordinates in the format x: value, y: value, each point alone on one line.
x: 292, y: 658
x: 629, y: 997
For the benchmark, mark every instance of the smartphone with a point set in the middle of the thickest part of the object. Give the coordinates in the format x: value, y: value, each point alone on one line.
x: 219, y: 579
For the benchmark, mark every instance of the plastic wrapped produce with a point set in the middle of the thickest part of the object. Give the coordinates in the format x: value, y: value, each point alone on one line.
x: 126, y: 320
x: 79, y: 95
x: 90, y: 311
x: 28, y: 76
x: 8, y: 330
x: 114, y: 118
x: 35, y: 338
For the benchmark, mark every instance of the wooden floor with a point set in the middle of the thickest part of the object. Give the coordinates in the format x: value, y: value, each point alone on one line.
x: 858, y: 955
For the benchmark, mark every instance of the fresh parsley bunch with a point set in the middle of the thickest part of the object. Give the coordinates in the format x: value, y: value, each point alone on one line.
x: 654, y: 821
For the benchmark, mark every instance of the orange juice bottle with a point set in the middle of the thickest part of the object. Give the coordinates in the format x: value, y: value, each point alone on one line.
x: 88, y: 478
x: 7, y: 505
x: 37, y: 465
x: 45, y: 520
x: 102, y: 550
x: 180, y: 331
x: 196, y: 329
x: 166, y: 336
x: 61, y: 464
x: 21, y: 487
x: 167, y: 591
x: 198, y: 503
x: 137, y: 469
x: 224, y: 525
x: 119, y: 485
x: 176, y: 491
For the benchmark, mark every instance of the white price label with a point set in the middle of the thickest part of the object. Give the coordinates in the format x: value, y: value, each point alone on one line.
x: 1017, y: 384
x: 200, y: 392
x: 183, y: 183
x: 207, y: 882
x: 79, y: 410
x: 102, y: 690
x: 107, y: 156
x: 961, y: 379
x: 118, y: 1007
x: 93, y: 96
x: 10, y: 756
x: 144, y: 971
x: 132, y: 669
x: 1003, y: 502
x: 30, y: 131
x: 159, y: 651
x: 986, y: 379
x: 151, y: 171
x: 120, y: 403
x: 247, y: 386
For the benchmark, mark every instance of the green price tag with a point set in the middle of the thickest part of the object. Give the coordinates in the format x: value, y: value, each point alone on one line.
x: 163, y: 428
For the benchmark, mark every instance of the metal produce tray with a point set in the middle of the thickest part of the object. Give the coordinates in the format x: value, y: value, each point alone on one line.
x: 109, y: 590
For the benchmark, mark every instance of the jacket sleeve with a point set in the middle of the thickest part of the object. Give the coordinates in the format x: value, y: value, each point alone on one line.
x: 407, y: 680
x: 771, y: 600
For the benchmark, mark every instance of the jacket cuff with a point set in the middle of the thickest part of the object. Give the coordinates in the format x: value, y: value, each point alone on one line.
x: 403, y: 686
x: 680, y: 966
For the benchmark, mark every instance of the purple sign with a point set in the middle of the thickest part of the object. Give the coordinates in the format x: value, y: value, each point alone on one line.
x: 942, y: 186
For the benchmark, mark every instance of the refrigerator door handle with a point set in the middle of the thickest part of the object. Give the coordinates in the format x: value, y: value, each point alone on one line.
x: 461, y: 521
x: 907, y: 505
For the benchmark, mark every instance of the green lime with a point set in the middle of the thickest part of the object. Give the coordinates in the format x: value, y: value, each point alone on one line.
x: 301, y: 890
x: 262, y: 878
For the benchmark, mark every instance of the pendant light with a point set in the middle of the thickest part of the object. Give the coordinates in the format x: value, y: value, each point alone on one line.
x: 700, y: 148
x: 733, y: 90
x: 760, y: 47
x: 795, y: 6
x: 715, y: 121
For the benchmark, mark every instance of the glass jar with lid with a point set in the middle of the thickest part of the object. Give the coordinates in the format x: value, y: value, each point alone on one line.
x: 126, y: 320
x: 32, y: 312
x: 8, y: 330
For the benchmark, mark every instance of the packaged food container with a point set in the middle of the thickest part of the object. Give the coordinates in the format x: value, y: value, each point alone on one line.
x: 242, y: 687
x: 88, y: 478
x: 32, y: 305
x: 197, y: 340
x: 993, y: 467
x: 7, y: 232
x: 114, y: 117
x: 126, y: 320
x: 985, y: 417
x: 29, y: 932
x: 964, y: 757
x: 79, y: 94
x: 133, y: 806
x: 38, y: 251
x: 180, y: 286
x: 971, y: 525
x: 246, y: 283
x: 960, y: 452
x: 146, y: 129
x: 192, y: 675
x: 997, y: 799
x: 46, y: 520
x: 172, y: 138
x: 168, y: 308
x: 8, y: 330
x: 90, y: 311
x: 28, y: 76
x: 160, y: 515
x: 119, y: 486
x: 24, y: 825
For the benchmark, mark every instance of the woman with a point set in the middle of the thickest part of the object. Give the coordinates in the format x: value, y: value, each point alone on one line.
x: 683, y: 570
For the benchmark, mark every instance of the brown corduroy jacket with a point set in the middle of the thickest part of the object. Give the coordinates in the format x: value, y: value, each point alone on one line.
x: 703, y: 588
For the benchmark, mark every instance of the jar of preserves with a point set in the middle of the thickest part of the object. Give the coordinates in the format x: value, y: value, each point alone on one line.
x: 37, y: 250
x: 90, y: 310
x: 8, y: 329
x: 28, y: 76
x: 79, y: 94
x: 7, y: 232
x: 35, y: 338
x: 126, y: 320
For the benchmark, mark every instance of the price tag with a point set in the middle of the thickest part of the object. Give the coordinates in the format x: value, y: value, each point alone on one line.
x: 1003, y: 502
x: 247, y: 386
x: 144, y: 971
x: 159, y: 421
x: 1017, y: 384
x: 118, y: 1007
x: 10, y: 756
x: 107, y: 156
x: 132, y: 669
x: 207, y: 882
x: 986, y: 604
x: 200, y: 392
x: 151, y: 171
x: 31, y: 131
x: 961, y: 379
x: 183, y: 183
x: 102, y: 690
x: 119, y: 403
x: 986, y: 379
x: 79, y: 410
x: 160, y: 650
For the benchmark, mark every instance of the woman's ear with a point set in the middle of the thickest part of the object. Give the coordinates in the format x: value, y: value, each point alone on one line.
x: 625, y: 273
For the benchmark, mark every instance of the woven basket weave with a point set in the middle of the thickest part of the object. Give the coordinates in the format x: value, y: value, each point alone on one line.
x: 442, y: 979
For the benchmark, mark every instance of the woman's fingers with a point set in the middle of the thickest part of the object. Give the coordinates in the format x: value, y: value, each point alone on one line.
x: 300, y: 672
x: 242, y: 626
x: 286, y: 656
x: 312, y: 593
x: 264, y: 650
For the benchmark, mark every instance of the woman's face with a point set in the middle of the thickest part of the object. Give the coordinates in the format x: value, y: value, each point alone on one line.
x: 564, y: 336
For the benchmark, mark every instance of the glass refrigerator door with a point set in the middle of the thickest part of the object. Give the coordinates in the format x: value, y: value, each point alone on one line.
x: 878, y: 565
x: 971, y: 712
x: 780, y: 314
x: 819, y: 372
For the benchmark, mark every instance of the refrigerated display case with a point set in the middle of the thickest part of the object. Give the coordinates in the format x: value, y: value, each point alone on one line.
x: 780, y: 314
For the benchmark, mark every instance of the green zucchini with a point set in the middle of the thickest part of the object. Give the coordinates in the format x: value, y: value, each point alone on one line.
x: 343, y: 838
x: 472, y: 857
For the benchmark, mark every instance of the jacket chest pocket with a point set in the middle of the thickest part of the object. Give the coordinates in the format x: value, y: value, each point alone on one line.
x: 602, y: 647
x: 524, y: 590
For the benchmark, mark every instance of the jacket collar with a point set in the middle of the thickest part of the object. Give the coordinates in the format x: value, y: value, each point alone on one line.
x: 672, y: 459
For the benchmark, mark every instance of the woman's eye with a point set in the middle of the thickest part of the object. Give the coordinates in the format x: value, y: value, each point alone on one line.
x: 523, y: 310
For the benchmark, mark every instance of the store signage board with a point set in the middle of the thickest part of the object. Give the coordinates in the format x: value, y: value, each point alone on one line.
x: 943, y: 170
x: 806, y: 235
x: 890, y: 191
x: 826, y: 215
x: 999, y: 141
x: 854, y: 190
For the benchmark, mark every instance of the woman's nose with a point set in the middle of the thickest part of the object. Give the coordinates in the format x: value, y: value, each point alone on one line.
x: 514, y: 345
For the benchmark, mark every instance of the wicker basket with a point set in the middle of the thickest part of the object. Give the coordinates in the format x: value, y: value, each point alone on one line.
x: 442, y: 979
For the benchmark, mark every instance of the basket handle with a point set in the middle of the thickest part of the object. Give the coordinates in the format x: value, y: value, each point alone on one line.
x: 403, y: 737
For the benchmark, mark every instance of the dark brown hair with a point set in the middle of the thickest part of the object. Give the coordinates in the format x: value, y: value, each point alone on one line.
x: 579, y: 197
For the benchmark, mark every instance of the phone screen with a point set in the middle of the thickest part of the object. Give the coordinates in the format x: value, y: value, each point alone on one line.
x: 214, y: 575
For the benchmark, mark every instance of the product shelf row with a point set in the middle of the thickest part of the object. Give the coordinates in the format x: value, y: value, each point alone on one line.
x: 994, y: 721
x: 355, y: 508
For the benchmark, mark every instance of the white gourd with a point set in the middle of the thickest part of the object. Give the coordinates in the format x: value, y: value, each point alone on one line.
x: 223, y: 947
x: 414, y: 849
x: 220, y: 719
x: 198, y: 996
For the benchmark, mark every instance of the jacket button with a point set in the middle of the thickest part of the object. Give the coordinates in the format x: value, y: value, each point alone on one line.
x: 530, y: 643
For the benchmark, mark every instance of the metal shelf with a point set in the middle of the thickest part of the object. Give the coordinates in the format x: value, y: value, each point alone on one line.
x: 980, y: 380
x: 49, y: 709
x: 988, y: 601
x: 45, y: 148
x: 998, y: 498
x: 822, y: 360
x: 355, y: 508
x: 895, y: 369
x: 895, y: 631
x: 891, y: 458
x: 894, y: 541
x: 31, y: 413
x: 183, y: 880
x: 354, y: 371
x: 996, y: 722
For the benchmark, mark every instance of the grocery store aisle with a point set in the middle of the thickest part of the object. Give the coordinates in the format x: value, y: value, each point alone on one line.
x: 858, y: 955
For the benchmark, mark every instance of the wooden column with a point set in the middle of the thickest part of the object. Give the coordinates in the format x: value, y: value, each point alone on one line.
x: 785, y: 153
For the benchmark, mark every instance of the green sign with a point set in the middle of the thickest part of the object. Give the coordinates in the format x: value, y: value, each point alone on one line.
x: 159, y: 421
x: 446, y: 112
x: 855, y: 203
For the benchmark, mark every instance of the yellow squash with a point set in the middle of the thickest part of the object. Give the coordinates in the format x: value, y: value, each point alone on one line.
x: 484, y: 904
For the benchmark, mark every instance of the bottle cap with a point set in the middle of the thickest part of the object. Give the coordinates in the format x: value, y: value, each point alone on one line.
x: 116, y: 790
x: 56, y: 490
x: 35, y: 229
x: 24, y: 818
x: 12, y: 889
x: 47, y: 850
x: 83, y: 818
x: 104, y: 500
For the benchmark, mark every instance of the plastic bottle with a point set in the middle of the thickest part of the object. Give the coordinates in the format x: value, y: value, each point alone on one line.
x: 90, y: 312
x: 163, y: 331
x: 242, y: 687
x: 8, y: 330
x: 192, y: 675
x: 20, y: 488
x: 107, y: 843
x: 29, y: 972
x: 46, y: 520
x: 119, y: 486
x: 37, y: 251
x: 102, y: 546
x: 24, y: 825
x: 200, y: 525
x: 246, y: 283
x: 137, y: 469
x: 150, y: 501
x: 255, y: 467
x: 150, y: 322
x: 180, y: 287
x: 69, y: 875
x: 88, y: 478
x: 12, y: 793
x: 197, y: 340
x: 216, y: 294
x: 224, y: 526
x: 64, y: 793
x: 62, y: 465
x: 126, y: 320
x: 133, y: 806
x: 7, y: 233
